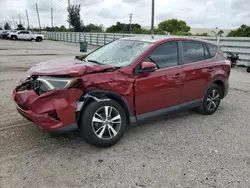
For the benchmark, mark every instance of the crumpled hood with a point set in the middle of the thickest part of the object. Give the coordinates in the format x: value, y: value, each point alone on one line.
x: 66, y: 66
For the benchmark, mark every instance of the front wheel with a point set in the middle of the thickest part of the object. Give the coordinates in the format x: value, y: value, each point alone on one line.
x: 211, y: 100
x: 13, y: 37
x: 248, y: 69
x: 39, y: 39
x: 103, y: 123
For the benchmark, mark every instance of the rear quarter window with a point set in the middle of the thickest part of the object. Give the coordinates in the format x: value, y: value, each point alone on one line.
x: 212, y: 50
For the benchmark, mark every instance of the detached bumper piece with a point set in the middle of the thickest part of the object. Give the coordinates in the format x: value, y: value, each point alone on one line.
x: 52, y: 110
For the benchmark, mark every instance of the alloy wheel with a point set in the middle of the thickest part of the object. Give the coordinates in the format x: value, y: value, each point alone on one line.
x: 213, y: 100
x: 106, y: 122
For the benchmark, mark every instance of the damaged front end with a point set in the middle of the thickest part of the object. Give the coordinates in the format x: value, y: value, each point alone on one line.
x: 49, y: 102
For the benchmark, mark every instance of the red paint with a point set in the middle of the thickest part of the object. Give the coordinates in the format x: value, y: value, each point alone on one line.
x: 145, y: 92
x: 148, y: 65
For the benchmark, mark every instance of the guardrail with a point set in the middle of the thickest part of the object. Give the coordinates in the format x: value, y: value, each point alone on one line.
x: 240, y: 45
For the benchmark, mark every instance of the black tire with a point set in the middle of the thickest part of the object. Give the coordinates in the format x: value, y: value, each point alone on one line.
x: 204, y: 107
x: 88, y: 126
x: 39, y: 39
x: 248, y: 69
x: 13, y: 37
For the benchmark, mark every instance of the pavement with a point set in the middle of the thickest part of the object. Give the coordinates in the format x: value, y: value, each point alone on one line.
x: 182, y: 150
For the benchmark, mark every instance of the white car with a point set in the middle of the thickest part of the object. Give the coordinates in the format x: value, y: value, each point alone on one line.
x: 25, y: 35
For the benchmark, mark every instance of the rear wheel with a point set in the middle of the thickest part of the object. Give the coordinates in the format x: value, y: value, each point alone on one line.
x: 13, y: 37
x: 39, y: 39
x: 103, y: 123
x: 248, y: 69
x: 211, y: 100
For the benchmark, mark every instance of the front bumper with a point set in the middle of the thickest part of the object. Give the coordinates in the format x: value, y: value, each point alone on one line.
x: 52, y: 110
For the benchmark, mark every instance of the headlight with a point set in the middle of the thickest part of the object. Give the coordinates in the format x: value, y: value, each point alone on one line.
x: 52, y: 83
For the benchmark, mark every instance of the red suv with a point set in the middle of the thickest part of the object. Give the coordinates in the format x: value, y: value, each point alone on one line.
x: 126, y: 81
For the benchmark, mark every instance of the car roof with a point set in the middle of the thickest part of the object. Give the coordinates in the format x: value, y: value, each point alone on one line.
x: 159, y: 38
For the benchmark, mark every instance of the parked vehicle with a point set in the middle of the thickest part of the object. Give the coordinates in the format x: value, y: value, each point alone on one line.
x: 233, y: 57
x: 4, y: 34
x: 126, y: 81
x: 26, y: 35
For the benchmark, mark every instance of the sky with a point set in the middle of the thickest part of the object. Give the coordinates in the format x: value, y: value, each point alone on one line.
x: 225, y: 14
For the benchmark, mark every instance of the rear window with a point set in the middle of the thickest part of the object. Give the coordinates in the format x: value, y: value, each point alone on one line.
x: 193, y: 52
x: 212, y: 50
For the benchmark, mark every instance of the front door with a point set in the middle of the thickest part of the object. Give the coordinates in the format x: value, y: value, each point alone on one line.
x: 160, y: 89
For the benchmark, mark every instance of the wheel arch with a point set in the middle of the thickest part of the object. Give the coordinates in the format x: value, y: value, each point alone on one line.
x: 221, y: 82
x: 96, y: 95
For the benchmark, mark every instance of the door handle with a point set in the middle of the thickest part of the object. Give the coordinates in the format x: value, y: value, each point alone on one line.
x: 178, y: 75
x: 210, y: 70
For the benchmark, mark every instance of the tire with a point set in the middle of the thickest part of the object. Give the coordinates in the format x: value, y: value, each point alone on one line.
x: 248, y: 69
x: 13, y: 37
x: 39, y: 39
x: 103, y: 132
x: 211, y: 100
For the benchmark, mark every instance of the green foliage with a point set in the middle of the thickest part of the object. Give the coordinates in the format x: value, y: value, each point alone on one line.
x: 7, y: 26
x: 124, y: 28
x: 220, y: 33
x: 202, y: 34
x: 74, y: 17
x: 20, y: 27
x: 92, y: 28
x: 174, y: 26
x: 181, y: 33
x: 243, y: 31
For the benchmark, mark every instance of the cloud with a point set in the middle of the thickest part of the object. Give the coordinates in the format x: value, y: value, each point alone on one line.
x: 197, y: 13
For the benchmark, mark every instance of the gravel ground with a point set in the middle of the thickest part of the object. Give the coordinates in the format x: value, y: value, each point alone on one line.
x: 181, y: 150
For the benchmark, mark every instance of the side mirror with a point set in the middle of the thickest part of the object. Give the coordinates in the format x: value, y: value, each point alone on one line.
x: 147, y: 67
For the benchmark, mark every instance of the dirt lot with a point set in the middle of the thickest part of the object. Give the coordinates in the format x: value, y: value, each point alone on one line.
x: 182, y: 150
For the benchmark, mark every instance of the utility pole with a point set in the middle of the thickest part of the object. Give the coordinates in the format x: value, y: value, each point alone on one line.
x: 69, y: 7
x: 38, y: 17
x: 130, y: 22
x: 14, y: 23
x: 153, y: 17
x: 20, y: 21
x: 28, y: 19
x: 52, y: 18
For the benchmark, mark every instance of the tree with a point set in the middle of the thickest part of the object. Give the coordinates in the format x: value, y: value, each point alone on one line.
x: 74, y: 17
x: 20, y: 27
x: 124, y: 28
x: 243, y: 31
x: 92, y: 28
x: 220, y: 33
x: 202, y: 34
x: 7, y: 26
x: 174, y: 26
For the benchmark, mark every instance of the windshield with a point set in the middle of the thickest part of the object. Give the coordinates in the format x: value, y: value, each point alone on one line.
x: 119, y: 53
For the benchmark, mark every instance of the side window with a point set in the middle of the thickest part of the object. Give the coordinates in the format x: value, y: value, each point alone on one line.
x: 213, y: 50
x: 26, y: 32
x: 206, y: 52
x: 193, y: 52
x: 165, y: 55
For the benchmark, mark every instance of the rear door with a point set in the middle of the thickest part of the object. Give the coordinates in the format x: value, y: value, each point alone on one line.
x: 162, y: 88
x: 26, y: 35
x: 198, y: 70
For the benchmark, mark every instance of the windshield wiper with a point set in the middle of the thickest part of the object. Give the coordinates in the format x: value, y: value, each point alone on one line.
x: 94, y: 61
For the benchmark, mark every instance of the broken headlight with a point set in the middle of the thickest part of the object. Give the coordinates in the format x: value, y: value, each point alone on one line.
x: 53, y: 83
